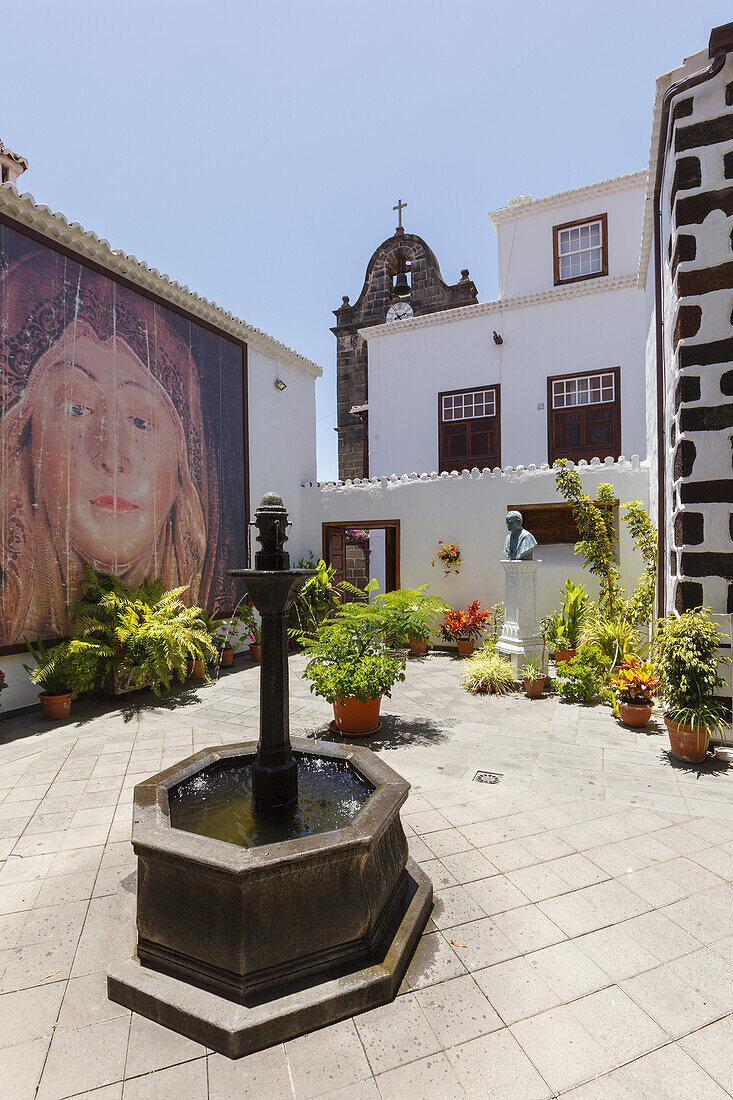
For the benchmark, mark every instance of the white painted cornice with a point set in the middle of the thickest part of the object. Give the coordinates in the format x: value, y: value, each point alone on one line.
x: 512, y: 212
x: 602, y: 285
x: 24, y: 209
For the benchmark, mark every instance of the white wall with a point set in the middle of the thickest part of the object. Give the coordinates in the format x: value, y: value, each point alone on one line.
x: 525, y: 241
x: 282, y: 438
x: 470, y: 507
x: 409, y: 367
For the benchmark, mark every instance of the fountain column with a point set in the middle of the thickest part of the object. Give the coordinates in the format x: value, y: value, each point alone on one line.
x: 272, y: 587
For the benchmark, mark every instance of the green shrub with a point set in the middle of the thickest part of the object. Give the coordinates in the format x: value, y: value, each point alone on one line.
x: 316, y: 601
x: 147, y: 631
x: 584, y: 678
x: 685, y: 657
x: 562, y: 629
x: 615, y: 637
x: 487, y: 671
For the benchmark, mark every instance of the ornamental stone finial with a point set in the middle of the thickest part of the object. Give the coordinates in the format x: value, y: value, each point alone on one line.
x: 271, y: 521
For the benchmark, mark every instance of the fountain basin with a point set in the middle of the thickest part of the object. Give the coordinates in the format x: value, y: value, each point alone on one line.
x: 239, y: 947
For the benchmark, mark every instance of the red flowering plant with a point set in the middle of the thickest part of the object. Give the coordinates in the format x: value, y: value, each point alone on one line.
x: 449, y: 556
x: 465, y: 624
x: 3, y: 681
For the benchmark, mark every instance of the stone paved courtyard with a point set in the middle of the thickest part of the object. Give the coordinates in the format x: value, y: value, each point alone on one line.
x: 581, y: 943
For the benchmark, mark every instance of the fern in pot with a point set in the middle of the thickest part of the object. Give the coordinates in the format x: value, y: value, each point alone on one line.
x: 62, y: 672
x: 409, y: 617
x: 685, y: 657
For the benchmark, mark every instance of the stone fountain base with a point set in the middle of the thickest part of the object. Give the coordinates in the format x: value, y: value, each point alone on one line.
x: 241, y: 947
x: 234, y: 1029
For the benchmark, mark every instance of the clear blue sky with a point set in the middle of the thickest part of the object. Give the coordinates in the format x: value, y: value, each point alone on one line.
x: 254, y: 151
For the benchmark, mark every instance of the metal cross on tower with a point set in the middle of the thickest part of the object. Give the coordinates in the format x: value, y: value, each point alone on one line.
x: 399, y: 208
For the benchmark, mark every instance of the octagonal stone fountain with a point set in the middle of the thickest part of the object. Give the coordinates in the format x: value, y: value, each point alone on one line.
x: 274, y: 893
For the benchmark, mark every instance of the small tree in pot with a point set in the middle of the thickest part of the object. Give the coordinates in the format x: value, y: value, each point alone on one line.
x: 685, y: 656
x: 352, y: 668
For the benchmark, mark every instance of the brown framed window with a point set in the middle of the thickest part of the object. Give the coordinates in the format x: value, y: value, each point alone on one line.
x: 584, y: 415
x: 580, y: 249
x: 469, y: 428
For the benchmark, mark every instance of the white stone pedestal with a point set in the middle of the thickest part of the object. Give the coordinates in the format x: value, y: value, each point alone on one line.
x: 520, y: 640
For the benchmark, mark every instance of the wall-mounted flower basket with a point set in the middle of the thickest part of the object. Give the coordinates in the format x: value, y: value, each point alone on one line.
x: 448, y: 555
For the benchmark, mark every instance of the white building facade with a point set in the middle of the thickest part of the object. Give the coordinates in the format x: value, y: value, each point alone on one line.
x: 554, y: 368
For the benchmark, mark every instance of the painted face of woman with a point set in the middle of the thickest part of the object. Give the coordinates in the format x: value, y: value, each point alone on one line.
x: 104, y: 448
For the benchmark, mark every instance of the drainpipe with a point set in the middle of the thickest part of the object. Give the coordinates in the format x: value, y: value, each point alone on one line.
x: 721, y: 42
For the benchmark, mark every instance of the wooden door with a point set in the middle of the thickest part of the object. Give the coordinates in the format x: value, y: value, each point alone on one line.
x: 336, y: 552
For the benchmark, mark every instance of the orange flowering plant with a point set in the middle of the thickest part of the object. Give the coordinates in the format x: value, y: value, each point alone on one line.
x: 449, y: 556
x: 465, y: 624
x: 635, y: 681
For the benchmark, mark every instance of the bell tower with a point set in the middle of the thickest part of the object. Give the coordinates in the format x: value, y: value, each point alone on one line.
x: 402, y: 280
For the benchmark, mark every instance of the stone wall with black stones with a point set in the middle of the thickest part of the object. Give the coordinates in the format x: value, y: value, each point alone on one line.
x: 698, y: 279
x: 429, y: 294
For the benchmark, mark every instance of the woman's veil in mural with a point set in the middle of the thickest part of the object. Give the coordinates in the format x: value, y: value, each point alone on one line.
x: 105, y: 453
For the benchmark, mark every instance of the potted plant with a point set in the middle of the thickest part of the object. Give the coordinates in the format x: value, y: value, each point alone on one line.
x: 685, y: 657
x: 534, y: 678
x: 352, y: 668
x: 464, y: 627
x: 409, y: 617
x: 563, y: 628
x: 253, y: 629
x: 448, y: 555
x: 62, y: 672
x: 634, y: 685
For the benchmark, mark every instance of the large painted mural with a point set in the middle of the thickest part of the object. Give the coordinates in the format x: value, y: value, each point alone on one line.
x: 122, y: 441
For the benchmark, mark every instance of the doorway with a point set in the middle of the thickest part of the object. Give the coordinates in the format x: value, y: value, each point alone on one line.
x: 363, y: 551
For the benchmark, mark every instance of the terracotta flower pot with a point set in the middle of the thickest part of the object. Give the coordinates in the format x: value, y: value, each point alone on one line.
x: 465, y: 646
x: 55, y: 706
x: 564, y: 655
x: 255, y: 652
x: 195, y: 670
x: 227, y: 657
x: 634, y: 714
x: 355, y: 718
x: 688, y: 744
x: 534, y: 688
x: 418, y: 646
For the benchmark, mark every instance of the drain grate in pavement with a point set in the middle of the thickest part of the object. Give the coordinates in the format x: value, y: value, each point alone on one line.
x: 488, y: 777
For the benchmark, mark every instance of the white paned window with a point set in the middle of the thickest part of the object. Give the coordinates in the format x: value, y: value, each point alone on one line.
x: 469, y: 406
x: 590, y: 389
x: 580, y: 250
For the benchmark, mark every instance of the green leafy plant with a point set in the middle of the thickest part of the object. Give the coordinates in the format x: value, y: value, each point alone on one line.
x: 316, y: 600
x: 347, y: 657
x: 599, y: 545
x: 487, y: 672
x: 3, y: 683
x: 584, y: 678
x: 616, y: 637
x: 250, y: 622
x: 147, y: 634
x: 219, y: 631
x: 533, y: 670
x: 562, y: 629
x: 69, y: 667
x: 685, y: 657
x: 409, y: 613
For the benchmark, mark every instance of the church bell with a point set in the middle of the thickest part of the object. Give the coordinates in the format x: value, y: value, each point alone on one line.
x: 401, y: 288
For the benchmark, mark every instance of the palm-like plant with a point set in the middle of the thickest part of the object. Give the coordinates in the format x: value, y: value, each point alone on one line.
x: 409, y: 613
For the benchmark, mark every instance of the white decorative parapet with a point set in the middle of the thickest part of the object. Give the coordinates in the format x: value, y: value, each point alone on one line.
x: 520, y: 640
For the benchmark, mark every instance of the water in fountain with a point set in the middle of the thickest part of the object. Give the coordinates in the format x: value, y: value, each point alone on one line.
x: 218, y: 802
